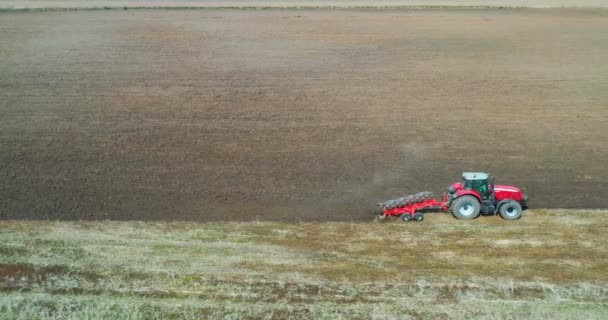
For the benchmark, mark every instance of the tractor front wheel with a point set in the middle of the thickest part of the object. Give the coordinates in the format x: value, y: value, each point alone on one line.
x: 510, y: 211
x: 465, y: 207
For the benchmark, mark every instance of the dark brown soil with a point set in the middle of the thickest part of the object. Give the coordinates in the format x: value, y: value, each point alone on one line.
x: 295, y: 115
x: 11, y: 271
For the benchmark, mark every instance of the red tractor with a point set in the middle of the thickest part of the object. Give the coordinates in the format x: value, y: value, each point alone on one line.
x: 476, y: 194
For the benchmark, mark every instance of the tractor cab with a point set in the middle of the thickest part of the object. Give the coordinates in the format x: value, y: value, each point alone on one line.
x: 477, y: 181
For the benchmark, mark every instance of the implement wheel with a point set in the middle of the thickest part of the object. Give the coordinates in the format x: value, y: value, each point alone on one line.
x: 418, y: 216
x: 406, y: 217
x: 465, y: 207
x: 510, y: 211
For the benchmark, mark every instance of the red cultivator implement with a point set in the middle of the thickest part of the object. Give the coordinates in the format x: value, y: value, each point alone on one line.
x: 413, y: 207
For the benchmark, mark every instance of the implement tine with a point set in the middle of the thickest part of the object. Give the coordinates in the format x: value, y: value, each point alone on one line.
x: 406, y: 200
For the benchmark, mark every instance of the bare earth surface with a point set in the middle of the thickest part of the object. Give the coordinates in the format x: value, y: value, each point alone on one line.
x: 304, y: 114
x: 296, y: 3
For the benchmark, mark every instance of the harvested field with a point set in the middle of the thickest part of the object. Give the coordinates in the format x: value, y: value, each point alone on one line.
x: 549, y: 265
x: 295, y: 114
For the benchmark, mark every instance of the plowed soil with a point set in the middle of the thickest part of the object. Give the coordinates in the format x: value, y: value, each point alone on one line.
x: 295, y: 114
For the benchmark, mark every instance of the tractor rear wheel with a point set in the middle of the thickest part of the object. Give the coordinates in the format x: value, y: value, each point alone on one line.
x: 465, y: 207
x: 510, y: 211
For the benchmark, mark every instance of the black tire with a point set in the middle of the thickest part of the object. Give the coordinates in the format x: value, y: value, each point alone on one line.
x: 465, y: 207
x: 510, y: 210
x: 418, y: 217
x: 406, y: 217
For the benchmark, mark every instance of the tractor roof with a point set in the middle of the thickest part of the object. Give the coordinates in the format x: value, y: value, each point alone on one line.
x: 474, y: 175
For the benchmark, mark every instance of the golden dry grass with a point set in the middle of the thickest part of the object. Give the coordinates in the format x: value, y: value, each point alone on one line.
x: 549, y: 263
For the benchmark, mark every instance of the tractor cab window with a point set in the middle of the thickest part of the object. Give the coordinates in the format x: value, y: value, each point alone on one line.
x: 480, y: 186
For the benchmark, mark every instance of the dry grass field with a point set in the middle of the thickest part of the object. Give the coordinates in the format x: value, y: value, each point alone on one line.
x: 295, y: 114
x: 548, y: 265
